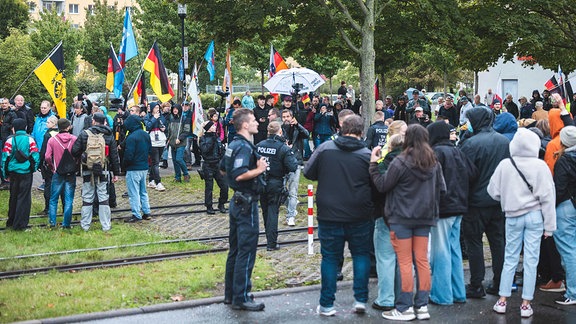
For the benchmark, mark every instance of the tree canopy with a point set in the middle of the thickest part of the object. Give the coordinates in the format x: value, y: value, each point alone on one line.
x: 13, y: 14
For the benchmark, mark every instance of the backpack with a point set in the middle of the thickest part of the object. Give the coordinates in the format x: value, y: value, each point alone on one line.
x: 95, y: 152
x: 67, y: 165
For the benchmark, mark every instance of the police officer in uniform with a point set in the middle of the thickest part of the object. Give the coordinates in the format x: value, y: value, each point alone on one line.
x: 281, y: 161
x: 377, y: 132
x: 244, y: 170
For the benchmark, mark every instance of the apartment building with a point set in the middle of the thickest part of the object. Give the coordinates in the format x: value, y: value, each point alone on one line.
x: 73, y: 10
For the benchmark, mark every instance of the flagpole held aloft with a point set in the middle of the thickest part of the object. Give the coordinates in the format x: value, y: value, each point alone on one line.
x: 30, y: 74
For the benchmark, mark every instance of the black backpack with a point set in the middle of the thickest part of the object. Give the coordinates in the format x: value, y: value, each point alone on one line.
x: 67, y: 165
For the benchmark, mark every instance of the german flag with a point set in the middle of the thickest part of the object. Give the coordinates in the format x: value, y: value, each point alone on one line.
x: 114, y: 74
x: 140, y: 90
x: 158, y: 76
x: 551, y: 84
x: 51, y: 74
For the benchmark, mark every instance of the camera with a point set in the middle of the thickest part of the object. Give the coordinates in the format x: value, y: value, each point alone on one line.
x: 222, y: 93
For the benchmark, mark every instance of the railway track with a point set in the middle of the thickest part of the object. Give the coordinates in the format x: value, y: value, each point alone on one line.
x: 124, y: 261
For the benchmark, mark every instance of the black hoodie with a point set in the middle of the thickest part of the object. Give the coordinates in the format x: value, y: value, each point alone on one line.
x: 344, y: 189
x: 485, y: 149
x: 458, y: 171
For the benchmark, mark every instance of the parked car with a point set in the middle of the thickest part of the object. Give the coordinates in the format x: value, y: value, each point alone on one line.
x: 433, y: 96
x: 100, y: 99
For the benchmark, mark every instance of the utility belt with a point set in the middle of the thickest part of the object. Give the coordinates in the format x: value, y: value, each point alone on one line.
x: 241, y: 198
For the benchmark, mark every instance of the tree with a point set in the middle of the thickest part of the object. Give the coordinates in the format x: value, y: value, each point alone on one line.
x: 102, y: 27
x: 13, y: 14
x: 14, y: 68
x: 46, y: 33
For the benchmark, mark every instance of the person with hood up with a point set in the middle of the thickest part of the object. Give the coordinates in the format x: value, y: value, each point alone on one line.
x: 558, y: 118
x: 415, y: 173
x: 565, y: 182
x: 136, y: 151
x: 526, y: 193
x: 62, y: 184
x: 506, y: 124
x: 445, y: 252
x: 95, y: 182
x: 485, y: 148
x: 341, y: 168
x: 177, y: 133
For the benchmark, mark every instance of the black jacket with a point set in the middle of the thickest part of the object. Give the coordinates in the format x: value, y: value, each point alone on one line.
x: 485, y: 149
x: 259, y: 114
x: 565, y: 176
x: 344, y: 189
x: 27, y: 114
x: 279, y: 156
x: 7, y: 118
x: 295, y: 134
x: 80, y: 146
x: 458, y: 171
x: 211, y: 148
x: 376, y: 135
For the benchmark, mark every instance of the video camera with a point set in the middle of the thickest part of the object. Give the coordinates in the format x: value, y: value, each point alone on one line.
x: 297, y: 87
x: 223, y: 95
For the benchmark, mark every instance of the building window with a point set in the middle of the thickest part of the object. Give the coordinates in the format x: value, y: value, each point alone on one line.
x: 75, y: 26
x: 31, y: 6
x: 90, y: 9
x: 52, y: 5
x: 73, y: 8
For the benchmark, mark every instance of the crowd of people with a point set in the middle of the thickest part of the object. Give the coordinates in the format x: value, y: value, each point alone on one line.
x: 400, y: 194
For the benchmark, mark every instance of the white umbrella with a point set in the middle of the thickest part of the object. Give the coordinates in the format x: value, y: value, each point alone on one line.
x: 285, y: 81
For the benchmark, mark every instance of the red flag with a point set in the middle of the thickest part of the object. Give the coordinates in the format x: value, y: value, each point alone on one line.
x: 376, y: 89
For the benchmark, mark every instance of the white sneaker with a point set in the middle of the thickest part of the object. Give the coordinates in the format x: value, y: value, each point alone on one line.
x: 291, y: 221
x: 500, y: 307
x: 422, y: 313
x: 359, y: 307
x: 326, y: 311
x: 526, y: 311
x: 396, y: 315
x: 160, y: 187
x: 151, y: 184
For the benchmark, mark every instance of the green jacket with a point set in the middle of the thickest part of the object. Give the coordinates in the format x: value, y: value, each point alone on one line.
x: 27, y: 145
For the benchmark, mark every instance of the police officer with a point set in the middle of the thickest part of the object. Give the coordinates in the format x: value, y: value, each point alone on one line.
x: 281, y: 161
x: 377, y: 132
x: 212, y: 151
x: 244, y: 170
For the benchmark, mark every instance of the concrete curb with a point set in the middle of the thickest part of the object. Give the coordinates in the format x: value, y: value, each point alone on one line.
x: 172, y: 306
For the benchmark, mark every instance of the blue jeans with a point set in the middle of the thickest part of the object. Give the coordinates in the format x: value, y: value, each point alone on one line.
x: 527, y: 228
x: 178, y: 161
x: 565, y: 236
x: 307, y: 150
x: 292, y: 182
x: 59, y: 183
x: 446, y: 262
x: 386, y: 266
x: 332, y: 236
x: 137, y: 194
x: 319, y: 139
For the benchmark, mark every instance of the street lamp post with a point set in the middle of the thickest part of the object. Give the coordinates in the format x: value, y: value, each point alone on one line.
x: 182, y: 81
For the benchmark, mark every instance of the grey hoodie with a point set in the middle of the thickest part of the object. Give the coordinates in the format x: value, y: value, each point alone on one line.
x: 507, y: 186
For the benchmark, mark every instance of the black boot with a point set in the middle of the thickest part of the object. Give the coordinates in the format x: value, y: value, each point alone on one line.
x: 164, y: 164
x: 210, y: 210
x: 222, y: 209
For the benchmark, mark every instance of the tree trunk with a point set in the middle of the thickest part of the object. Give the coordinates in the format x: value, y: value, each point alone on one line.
x: 331, y: 91
x: 367, y: 56
x: 445, y: 83
x: 262, y: 80
x: 476, y: 82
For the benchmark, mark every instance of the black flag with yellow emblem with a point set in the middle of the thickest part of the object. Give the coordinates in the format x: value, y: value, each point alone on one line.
x: 51, y: 74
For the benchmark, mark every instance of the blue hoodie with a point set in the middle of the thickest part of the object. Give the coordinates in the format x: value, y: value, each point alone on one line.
x: 137, y: 145
x: 506, y: 125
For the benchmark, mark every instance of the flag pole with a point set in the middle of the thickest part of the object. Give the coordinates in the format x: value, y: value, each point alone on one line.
x: 41, y: 62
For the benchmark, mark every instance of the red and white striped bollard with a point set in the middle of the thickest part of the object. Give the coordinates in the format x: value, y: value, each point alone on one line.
x: 310, y: 220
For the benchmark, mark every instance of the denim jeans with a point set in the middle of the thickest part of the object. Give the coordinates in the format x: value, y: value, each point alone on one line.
x: 178, y: 161
x: 244, y: 229
x: 292, y: 182
x: 155, y: 156
x: 137, y: 194
x: 332, y: 236
x: 386, y: 265
x: 66, y: 184
x: 307, y: 149
x: 411, y: 245
x: 319, y: 139
x: 527, y: 228
x: 565, y: 236
x: 446, y: 262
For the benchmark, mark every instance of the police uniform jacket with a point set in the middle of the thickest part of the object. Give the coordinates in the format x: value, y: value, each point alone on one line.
x: 239, y: 158
x: 376, y: 135
x: 280, y: 158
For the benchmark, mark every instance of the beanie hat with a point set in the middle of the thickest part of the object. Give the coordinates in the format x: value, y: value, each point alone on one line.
x: 568, y: 136
x: 208, y: 125
x: 63, y: 123
x: 19, y: 124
